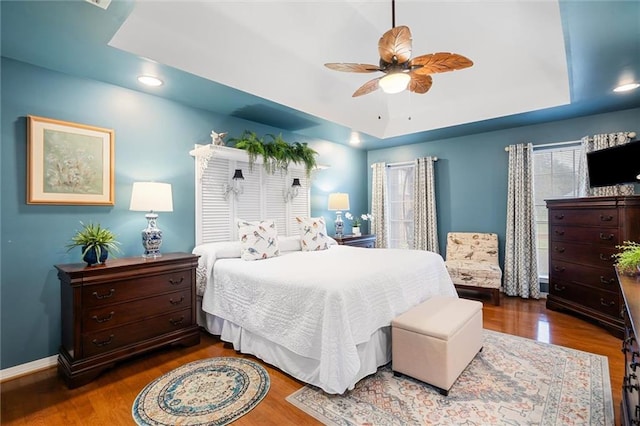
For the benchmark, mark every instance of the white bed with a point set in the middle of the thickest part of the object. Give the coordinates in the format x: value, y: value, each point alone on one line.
x: 323, y: 317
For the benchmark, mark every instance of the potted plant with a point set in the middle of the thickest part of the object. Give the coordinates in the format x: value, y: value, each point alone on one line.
x: 276, y: 153
x: 96, y: 243
x: 628, y: 260
x: 357, y: 221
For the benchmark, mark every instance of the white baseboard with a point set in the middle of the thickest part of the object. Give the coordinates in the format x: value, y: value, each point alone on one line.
x: 28, y: 368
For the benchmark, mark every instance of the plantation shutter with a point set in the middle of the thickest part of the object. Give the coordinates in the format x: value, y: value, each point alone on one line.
x: 262, y: 197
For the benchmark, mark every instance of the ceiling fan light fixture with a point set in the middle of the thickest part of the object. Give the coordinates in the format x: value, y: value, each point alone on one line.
x: 394, y: 83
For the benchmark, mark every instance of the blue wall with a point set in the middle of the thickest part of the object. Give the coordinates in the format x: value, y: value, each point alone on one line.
x: 471, y: 171
x: 152, y: 139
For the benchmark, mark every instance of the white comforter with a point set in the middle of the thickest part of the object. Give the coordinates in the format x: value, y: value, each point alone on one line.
x: 322, y: 304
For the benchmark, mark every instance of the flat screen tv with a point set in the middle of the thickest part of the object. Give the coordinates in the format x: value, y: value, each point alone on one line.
x: 615, y: 165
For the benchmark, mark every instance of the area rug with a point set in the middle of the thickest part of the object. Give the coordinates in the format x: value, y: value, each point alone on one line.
x: 213, y: 391
x: 513, y: 381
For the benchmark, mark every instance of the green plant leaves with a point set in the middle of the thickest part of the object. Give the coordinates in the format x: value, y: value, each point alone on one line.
x: 276, y: 153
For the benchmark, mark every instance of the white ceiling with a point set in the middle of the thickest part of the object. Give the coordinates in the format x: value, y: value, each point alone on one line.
x: 276, y: 50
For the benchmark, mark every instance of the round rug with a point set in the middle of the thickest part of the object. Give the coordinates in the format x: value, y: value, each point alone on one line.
x: 213, y: 391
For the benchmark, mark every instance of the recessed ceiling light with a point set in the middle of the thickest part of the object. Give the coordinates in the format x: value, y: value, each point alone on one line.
x: 626, y: 87
x: 150, y: 80
x: 355, y: 138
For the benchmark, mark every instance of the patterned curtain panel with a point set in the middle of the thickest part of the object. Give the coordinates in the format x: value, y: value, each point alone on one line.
x: 425, y: 224
x: 594, y: 143
x: 378, y: 201
x: 520, y: 257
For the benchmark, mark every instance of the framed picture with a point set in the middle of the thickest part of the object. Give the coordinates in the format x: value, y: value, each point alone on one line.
x: 69, y: 163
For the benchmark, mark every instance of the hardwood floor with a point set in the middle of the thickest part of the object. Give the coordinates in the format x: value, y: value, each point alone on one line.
x: 42, y: 398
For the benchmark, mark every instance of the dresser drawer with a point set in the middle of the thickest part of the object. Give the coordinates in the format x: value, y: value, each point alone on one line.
x: 601, y: 235
x: 114, y: 315
x: 582, y: 253
x: 122, y: 291
x: 606, y: 302
x: 108, y: 340
x: 586, y: 217
x: 603, y: 278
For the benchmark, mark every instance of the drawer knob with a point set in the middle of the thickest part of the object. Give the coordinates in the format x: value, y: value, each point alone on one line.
x: 606, y: 237
x: 176, y: 322
x: 558, y: 268
x: 103, y: 342
x: 604, y: 257
x: 605, y: 303
x: 557, y: 287
x: 176, y: 282
x: 176, y: 302
x: 103, y: 319
x: 607, y: 218
x: 559, y: 216
x: 558, y: 249
x: 559, y: 232
x: 603, y: 280
x: 104, y: 296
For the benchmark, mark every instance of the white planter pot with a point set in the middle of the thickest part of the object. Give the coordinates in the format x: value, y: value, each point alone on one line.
x: 356, y: 230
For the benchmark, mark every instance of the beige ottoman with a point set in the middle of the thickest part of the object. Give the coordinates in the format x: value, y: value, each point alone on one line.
x: 436, y: 340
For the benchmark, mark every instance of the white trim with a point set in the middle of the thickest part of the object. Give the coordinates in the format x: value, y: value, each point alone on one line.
x: 28, y: 368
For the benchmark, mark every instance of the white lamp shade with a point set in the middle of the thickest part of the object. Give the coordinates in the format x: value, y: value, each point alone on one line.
x: 338, y: 201
x: 151, y: 196
x: 394, y: 83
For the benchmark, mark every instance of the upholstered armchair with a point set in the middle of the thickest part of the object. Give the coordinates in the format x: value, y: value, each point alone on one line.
x: 472, y: 262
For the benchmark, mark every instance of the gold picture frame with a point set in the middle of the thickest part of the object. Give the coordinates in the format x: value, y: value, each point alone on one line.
x: 69, y: 163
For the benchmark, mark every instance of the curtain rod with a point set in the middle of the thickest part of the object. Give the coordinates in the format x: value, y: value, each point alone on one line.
x: 506, y: 148
x: 629, y: 134
x: 403, y: 163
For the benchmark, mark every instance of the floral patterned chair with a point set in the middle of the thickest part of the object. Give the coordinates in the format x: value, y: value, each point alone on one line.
x: 472, y: 262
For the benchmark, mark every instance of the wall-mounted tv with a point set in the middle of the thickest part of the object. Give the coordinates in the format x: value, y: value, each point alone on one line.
x: 615, y: 165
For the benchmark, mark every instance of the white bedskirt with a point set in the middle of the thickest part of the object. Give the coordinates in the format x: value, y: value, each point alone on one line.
x: 373, y: 354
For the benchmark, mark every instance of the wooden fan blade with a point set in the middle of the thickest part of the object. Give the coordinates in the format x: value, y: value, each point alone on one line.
x: 368, y: 87
x: 420, y: 83
x: 352, y: 67
x: 395, y: 42
x: 439, y: 62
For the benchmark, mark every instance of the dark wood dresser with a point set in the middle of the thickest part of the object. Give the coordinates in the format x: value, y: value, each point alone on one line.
x: 123, y: 308
x: 366, y: 241
x: 630, y: 405
x: 583, y: 233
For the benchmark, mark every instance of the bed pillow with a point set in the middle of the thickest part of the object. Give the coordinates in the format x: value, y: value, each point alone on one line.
x: 287, y: 244
x: 313, y: 233
x: 258, y: 240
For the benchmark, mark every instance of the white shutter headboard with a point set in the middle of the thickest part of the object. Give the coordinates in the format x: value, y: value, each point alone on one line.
x: 262, y: 196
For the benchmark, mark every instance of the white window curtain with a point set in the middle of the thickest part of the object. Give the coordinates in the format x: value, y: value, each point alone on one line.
x: 378, y: 201
x: 425, y: 224
x: 520, y: 258
x: 593, y: 143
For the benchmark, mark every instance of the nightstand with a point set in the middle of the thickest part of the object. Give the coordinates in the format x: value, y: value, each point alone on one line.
x: 123, y: 308
x: 366, y: 241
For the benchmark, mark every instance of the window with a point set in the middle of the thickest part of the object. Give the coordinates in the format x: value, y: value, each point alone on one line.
x: 555, y: 175
x: 400, y: 205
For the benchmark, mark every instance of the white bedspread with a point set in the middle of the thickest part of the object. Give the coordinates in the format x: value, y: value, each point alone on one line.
x: 322, y: 304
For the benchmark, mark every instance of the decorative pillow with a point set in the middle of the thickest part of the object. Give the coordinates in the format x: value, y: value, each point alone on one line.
x: 313, y: 233
x: 258, y: 240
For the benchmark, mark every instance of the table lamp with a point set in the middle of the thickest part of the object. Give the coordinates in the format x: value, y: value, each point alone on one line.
x: 339, y: 202
x: 152, y: 197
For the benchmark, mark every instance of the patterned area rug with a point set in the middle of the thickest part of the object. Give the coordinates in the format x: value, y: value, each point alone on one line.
x: 513, y: 381
x: 213, y: 391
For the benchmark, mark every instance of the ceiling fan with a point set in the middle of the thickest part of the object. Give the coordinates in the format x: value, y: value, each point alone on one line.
x: 402, y: 72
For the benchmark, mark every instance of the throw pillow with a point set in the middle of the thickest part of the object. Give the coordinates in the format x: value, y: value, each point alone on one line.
x: 258, y: 240
x: 313, y: 233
